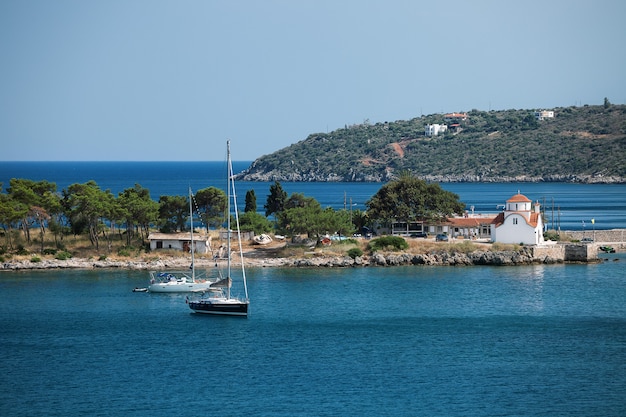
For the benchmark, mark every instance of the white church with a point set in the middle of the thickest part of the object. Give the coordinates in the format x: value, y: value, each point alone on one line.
x: 520, y: 222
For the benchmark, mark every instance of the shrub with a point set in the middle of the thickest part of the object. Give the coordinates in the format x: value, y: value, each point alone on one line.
x: 348, y: 241
x: 35, y: 259
x: 388, y: 242
x: 123, y: 252
x: 21, y: 250
x: 102, y: 258
x: 49, y: 251
x: 464, y: 247
x: 551, y: 235
x: 354, y: 252
x: 63, y: 256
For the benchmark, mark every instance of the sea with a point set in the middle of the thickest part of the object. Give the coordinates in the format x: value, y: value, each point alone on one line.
x: 538, y: 340
x: 530, y: 340
x: 567, y: 206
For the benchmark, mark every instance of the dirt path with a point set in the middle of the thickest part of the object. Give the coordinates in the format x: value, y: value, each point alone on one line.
x: 398, y: 149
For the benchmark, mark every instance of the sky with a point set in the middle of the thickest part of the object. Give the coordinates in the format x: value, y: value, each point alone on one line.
x: 154, y: 80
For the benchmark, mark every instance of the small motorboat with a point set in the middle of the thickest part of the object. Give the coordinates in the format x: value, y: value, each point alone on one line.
x: 607, y: 249
x: 137, y: 289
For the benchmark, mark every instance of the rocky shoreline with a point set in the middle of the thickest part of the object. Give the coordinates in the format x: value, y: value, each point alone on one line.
x: 313, y: 176
x: 524, y: 256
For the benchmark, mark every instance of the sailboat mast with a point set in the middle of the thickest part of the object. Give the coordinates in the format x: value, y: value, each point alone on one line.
x: 229, y: 169
x: 193, y: 261
x: 231, y: 177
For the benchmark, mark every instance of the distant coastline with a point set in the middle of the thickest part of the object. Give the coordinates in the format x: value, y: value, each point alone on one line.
x: 463, y: 178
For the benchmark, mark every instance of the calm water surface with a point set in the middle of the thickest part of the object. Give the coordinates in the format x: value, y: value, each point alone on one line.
x: 434, y: 341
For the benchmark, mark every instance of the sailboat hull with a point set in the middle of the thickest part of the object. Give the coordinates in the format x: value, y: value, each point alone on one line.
x: 178, y: 287
x: 229, y: 307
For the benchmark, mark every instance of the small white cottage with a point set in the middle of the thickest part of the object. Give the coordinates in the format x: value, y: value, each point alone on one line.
x: 180, y: 241
x: 520, y: 222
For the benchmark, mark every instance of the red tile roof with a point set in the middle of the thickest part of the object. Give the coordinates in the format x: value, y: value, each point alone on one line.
x: 470, y: 221
x: 534, y: 218
x: 518, y: 198
x: 498, y: 220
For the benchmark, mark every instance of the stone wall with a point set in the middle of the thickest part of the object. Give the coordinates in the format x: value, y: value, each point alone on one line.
x: 556, y: 251
x: 606, y: 236
x: 580, y: 252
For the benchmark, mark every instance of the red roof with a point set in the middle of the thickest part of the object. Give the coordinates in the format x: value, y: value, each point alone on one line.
x: 518, y: 198
x: 470, y: 221
x: 534, y: 218
x: 498, y: 220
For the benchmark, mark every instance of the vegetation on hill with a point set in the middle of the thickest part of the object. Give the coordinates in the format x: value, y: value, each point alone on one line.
x: 580, y: 144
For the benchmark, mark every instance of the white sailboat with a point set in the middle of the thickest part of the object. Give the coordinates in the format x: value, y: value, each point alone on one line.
x: 181, y: 282
x: 218, y: 300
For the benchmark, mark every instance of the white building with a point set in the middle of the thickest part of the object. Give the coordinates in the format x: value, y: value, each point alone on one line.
x: 520, y: 222
x: 544, y: 114
x: 434, y: 129
x: 180, y: 241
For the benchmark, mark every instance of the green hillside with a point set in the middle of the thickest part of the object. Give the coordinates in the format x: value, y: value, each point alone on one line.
x: 579, y: 144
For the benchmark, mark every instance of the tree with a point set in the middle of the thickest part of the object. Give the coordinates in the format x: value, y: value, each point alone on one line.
x: 40, y: 198
x: 299, y: 200
x: 173, y: 213
x: 11, y: 211
x: 212, y: 204
x: 275, y: 200
x: 255, y: 222
x: 359, y: 219
x: 86, y: 205
x: 139, y: 211
x: 250, y: 201
x: 304, y: 215
x: 41, y: 218
x: 410, y: 199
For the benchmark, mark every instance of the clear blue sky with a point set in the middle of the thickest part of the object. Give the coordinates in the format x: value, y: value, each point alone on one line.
x: 172, y: 80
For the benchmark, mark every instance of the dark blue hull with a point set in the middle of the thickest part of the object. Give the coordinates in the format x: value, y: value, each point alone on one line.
x: 226, y: 309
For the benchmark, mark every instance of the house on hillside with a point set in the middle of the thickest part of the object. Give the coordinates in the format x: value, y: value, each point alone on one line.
x: 180, y: 241
x: 455, y: 117
x: 434, y: 129
x: 520, y: 222
x: 544, y: 114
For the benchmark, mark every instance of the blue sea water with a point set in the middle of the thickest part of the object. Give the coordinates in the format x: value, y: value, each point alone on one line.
x: 568, y: 206
x: 401, y: 341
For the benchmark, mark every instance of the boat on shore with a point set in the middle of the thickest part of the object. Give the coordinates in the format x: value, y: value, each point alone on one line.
x: 262, y: 239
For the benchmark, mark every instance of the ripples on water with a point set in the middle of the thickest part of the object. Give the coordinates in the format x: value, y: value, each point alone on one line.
x: 536, y: 340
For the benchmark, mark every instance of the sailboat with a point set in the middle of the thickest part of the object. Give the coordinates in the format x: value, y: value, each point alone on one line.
x: 217, y: 299
x: 177, y: 282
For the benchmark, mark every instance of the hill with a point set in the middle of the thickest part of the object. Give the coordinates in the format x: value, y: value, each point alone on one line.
x: 579, y: 144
